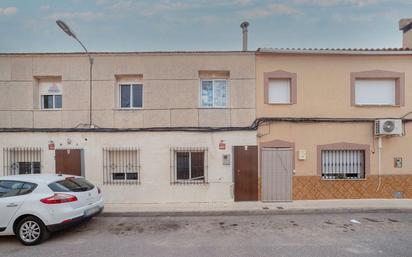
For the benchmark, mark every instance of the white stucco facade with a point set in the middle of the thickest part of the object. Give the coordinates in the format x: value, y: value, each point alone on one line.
x: 155, y: 165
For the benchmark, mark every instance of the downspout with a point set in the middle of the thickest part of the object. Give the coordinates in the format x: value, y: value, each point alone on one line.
x: 379, y: 163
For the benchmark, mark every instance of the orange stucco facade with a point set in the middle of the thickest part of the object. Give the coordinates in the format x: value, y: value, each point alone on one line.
x: 323, y: 90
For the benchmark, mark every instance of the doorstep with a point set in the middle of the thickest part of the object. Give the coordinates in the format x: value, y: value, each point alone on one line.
x: 257, y: 208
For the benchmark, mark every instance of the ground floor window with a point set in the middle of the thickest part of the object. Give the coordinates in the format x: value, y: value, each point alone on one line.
x: 188, y: 165
x: 21, y: 160
x: 343, y: 164
x: 121, y: 165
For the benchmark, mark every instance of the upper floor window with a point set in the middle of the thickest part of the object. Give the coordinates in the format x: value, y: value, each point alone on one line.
x: 279, y: 91
x: 131, y: 95
x: 214, y: 93
x: 51, y: 95
x: 378, y: 87
x: 375, y: 92
x: 280, y: 87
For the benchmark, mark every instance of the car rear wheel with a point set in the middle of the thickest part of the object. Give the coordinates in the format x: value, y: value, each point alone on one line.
x: 31, y: 231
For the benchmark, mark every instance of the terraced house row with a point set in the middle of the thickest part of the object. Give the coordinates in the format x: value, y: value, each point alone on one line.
x: 265, y: 125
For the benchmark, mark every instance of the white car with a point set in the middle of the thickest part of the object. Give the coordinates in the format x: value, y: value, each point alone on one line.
x: 32, y: 206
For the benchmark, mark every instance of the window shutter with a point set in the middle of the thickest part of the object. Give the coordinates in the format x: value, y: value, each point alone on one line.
x: 279, y: 91
x: 375, y: 91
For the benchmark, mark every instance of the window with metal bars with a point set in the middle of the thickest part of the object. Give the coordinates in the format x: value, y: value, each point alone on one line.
x: 188, y: 165
x: 343, y: 164
x: 21, y: 160
x: 121, y: 165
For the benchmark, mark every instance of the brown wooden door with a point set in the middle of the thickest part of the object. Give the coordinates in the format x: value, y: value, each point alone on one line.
x: 246, y: 173
x: 68, y: 161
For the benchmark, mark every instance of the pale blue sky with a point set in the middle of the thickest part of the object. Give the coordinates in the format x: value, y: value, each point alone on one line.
x: 164, y: 25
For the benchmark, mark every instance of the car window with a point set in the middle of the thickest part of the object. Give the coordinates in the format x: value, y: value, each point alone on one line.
x: 71, y: 185
x: 10, y: 188
x: 27, y: 188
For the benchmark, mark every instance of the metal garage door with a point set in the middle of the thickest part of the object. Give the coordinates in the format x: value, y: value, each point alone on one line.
x: 277, y: 166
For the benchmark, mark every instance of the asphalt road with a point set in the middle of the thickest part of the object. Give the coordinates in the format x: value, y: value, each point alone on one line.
x: 379, y: 234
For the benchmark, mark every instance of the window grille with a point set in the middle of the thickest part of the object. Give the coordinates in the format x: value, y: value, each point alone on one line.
x: 188, y: 165
x: 21, y: 160
x: 343, y: 164
x: 121, y: 165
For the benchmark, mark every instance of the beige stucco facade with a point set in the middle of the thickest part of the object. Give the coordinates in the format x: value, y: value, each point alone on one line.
x: 323, y: 84
x: 171, y: 100
x: 170, y: 95
x: 324, y: 91
x: 321, y: 100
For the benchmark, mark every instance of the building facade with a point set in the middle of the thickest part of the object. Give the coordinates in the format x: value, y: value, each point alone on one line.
x: 163, y: 126
x: 270, y: 125
x: 317, y: 111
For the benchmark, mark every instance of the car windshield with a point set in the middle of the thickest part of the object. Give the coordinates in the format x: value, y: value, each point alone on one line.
x: 71, y: 185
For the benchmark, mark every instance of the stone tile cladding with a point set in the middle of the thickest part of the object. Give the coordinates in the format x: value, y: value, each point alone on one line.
x: 314, y: 188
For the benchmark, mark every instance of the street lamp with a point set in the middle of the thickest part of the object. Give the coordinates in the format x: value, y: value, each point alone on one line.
x: 69, y: 32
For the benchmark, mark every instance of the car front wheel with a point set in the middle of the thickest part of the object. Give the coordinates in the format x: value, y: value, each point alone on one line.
x: 31, y: 231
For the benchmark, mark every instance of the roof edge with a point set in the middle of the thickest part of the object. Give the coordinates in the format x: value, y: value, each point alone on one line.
x: 128, y: 53
x: 345, y: 51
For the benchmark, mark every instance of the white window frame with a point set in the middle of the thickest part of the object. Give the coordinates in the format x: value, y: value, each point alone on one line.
x: 119, y: 93
x: 213, y: 93
x: 54, y: 102
x: 41, y: 97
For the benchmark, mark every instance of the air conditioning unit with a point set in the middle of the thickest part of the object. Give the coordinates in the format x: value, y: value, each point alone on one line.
x: 388, y: 127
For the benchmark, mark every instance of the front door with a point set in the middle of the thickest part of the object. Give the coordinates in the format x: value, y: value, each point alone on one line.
x: 246, y: 173
x: 68, y: 161
x: 277, y: 168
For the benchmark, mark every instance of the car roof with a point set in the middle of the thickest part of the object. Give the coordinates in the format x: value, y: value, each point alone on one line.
x: 37, y: 178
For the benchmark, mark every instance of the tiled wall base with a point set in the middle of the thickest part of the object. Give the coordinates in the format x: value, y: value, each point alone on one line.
x: 313, y: 188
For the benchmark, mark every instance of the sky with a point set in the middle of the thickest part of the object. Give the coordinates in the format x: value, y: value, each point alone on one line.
x: 206, y: 25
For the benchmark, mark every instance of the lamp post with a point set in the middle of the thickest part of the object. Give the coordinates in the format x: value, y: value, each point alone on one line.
x: 69, y: 32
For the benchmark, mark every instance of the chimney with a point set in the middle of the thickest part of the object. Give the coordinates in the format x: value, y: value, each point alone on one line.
x: 406, y: 26
x: 244, y: 26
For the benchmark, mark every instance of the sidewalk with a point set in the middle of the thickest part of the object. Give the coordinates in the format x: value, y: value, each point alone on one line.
x: 259, y: 208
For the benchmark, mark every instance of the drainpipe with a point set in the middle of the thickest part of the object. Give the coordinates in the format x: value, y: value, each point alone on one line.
x: 379, y: 163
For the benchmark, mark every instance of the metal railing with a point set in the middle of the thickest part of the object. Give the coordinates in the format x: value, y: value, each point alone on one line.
x: 22, y: 160
x: 121, y: 166
x: 343, y: 164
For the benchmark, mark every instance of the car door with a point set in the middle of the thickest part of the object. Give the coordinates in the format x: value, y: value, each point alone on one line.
x: 12, y: 196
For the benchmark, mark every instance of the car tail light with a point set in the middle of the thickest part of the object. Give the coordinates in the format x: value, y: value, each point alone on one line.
x: 59, y: 198
x: 99, y: 191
